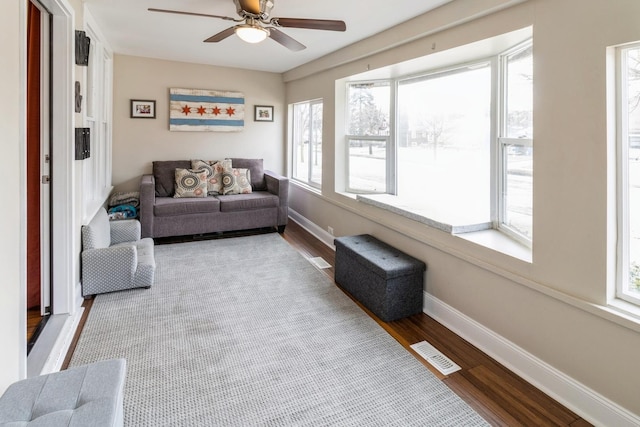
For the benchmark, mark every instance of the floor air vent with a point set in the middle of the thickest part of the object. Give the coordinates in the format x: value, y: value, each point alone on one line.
x: 319, y: 262
x: 438, y: 360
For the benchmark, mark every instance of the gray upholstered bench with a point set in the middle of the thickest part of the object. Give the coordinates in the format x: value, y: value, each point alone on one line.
x: 89, y: 395
x: 385, y: 280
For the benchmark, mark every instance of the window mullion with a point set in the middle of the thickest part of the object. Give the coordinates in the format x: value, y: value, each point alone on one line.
x: 392, y: 145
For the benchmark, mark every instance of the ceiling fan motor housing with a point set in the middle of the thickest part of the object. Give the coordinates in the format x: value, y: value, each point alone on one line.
x: 258, y: 9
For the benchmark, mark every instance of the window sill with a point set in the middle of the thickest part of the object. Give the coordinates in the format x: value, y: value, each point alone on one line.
x: 466, y: 227
x: 499, y: 242
x: 625, y: 310
x: 305, y: 186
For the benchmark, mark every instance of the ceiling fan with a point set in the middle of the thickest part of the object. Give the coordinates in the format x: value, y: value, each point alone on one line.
x: 257, y: 26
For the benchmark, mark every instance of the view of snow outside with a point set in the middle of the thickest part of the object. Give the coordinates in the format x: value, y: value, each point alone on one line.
x: 518, y: 159
x: 443, y: 143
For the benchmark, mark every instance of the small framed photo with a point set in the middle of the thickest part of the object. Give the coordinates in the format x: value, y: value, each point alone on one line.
x: 264, y: 113
x: 143, y: 109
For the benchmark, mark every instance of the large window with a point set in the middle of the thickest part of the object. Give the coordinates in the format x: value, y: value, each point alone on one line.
x: 368, y: 137
x: 444, y: 123
x: 454, y: 145
x: 307, y: 142
x: 628, y: 61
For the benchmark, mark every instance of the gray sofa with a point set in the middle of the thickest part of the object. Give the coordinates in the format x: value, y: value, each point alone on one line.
x: 162, y: 215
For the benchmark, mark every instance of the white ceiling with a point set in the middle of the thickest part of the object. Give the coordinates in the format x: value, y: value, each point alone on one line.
x: 131, y: 29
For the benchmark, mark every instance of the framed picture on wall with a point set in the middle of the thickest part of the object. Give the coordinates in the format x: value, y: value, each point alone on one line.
x: 143, y: 109
x: 264, y: 113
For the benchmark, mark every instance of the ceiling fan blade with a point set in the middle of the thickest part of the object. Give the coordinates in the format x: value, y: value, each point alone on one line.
x: 286, y: 41
x: 313, y: 24
x: 221, y: 35
x: 179, y: 12
x: 250, y: 6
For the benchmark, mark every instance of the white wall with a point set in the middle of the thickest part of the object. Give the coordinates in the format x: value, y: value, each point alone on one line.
x: 138, y: 142
x: 552, y: 309
x: 12, y: 288
x: 66, y: 226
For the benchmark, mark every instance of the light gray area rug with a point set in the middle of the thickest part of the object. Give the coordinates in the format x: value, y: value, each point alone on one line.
x: 246, y: 332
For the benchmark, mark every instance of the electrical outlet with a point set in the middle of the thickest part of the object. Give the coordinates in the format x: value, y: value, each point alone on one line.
x: 330, y: 230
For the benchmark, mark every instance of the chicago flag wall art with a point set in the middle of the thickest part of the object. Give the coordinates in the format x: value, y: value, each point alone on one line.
x: 205, y: 110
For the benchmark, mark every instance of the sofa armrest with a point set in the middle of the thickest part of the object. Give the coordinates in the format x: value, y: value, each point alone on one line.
x: 147, y: 201
x: 127, y: 230
x: 279, y: 185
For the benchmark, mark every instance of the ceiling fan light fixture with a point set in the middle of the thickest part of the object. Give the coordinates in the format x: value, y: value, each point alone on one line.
x: 251, y: 33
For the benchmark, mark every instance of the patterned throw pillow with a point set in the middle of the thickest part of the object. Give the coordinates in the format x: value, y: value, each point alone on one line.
x: 236, y: 181
x: 191, y: 183
x: 214, y: 169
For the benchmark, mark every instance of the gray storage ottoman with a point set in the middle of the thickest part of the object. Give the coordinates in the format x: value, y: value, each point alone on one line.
x: 385, y: 280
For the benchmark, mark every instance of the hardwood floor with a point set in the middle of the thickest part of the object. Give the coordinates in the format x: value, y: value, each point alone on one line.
x: 501, y: 397
x: 498, y: 395
x: 35, y: 324
x: 33, y: 320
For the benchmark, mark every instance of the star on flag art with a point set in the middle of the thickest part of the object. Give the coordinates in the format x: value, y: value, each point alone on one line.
x: 205, y: 110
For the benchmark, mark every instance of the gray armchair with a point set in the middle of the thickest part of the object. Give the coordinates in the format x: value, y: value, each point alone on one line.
x: 114, y: 257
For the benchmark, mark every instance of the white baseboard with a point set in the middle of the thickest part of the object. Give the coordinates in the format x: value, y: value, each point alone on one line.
x: 590, y: 405
x: 312, y: 228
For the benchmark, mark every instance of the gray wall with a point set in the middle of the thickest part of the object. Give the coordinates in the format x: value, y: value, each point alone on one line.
x: 554, y: 308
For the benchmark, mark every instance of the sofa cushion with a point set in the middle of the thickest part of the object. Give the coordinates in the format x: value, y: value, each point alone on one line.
x: 190, y: 183
x: 164, y: 172
x: 236, y: 181
x: 242, y: 202
x: 169, y: 206
x: 257, y: 171
x: 214, y: 169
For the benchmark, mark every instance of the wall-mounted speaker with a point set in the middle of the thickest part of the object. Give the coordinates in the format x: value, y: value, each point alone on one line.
x: 83, y: 143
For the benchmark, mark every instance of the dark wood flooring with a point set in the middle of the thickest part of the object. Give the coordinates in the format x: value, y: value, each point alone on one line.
x: 498, y: 395
x: 501, y: 397
x: 33, y: 320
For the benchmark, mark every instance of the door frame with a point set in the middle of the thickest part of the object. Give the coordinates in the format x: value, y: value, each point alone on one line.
x: 50, y: 350
x: 62, y: 167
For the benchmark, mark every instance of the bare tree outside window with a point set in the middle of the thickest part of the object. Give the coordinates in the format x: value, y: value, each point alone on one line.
x: 368, y: 136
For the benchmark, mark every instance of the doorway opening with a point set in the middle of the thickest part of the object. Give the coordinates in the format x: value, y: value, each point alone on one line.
x: 38, y: 197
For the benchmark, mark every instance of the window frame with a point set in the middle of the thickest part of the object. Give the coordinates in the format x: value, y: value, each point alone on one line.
x: 389, y: 140
x: 309, y: 181
x: 623, y: 266
x: 502, y: 144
